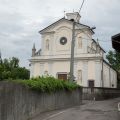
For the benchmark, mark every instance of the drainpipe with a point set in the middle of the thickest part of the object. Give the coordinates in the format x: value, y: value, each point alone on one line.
x: 110, y: 78
x: 102, y: 77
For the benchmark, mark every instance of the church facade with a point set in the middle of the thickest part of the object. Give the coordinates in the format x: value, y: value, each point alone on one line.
x: 90, y: 68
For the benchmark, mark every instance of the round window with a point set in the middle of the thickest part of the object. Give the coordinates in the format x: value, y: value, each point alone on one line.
x: 63, y: 40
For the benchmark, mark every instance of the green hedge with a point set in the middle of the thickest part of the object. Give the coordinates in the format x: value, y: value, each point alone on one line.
x: 48, y: 84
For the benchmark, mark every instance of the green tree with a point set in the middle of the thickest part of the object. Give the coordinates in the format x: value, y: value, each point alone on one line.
x: 114, y: 59
x: 14, y: 62
x: 20, y: 73
x: 10, y: 69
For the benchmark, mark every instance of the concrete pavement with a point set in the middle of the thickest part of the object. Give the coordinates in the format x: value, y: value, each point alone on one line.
x: 90, y: 110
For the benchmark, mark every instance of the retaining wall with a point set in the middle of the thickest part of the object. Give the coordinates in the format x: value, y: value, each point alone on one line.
x: 97, y: 93
x: 19, y: 103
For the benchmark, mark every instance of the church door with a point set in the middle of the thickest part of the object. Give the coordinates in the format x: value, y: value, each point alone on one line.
x: 62, y: 76
x: 91, y: 83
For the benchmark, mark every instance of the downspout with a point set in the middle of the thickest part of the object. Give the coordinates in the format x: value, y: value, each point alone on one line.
x: 102, y: 77
x: 110, y: 77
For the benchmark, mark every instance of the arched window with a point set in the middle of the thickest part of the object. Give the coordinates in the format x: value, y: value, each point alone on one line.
x: 79, y: 42
x: 80, y: 76
x: 47, y: 44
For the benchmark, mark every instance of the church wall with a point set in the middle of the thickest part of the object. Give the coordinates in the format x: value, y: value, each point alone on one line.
x: 60, y: 67
x: 47, y: 48
x: 37, y: 69
x: 106, y: 75
x: 65, y: 30
x: 83, y: 70
x: 113, y: 78
x: 91, y: 70
x: 109, y: 76
x: 57, y: 56
x: 31, y: 70
x: 98, y: 73
x: 85, y: 73
x: 83, y: 40
x: 61, y: 30
x: 79, y: 67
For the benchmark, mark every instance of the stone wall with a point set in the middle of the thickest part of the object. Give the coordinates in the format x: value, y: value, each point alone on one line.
x: 19, y: 103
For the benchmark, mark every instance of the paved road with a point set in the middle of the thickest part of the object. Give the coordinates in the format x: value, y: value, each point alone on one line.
x: 90, y: 110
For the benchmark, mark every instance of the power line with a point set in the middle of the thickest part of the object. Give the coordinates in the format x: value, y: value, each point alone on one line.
x: 80, y: 9
x: 81, y: 6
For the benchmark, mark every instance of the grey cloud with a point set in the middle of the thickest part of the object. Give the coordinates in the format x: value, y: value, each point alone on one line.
x: 20, y: 21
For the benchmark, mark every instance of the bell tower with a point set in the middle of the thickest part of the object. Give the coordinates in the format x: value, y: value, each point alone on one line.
x: 73, y: 16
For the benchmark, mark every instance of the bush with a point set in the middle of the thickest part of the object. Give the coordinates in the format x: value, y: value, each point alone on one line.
x: 48, y: 84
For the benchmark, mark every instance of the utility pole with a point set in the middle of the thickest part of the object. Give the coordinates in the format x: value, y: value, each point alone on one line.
x: 72, y: 53
x: 72, y: 47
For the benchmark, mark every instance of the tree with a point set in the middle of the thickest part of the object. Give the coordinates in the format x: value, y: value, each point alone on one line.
x: 114, y: 59
x: 20, y: 73
x: 10, y: 69
x: 14, y: 62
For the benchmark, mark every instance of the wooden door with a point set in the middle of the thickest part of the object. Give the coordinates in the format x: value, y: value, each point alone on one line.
x: 62, y: 76
x: 91, y: 83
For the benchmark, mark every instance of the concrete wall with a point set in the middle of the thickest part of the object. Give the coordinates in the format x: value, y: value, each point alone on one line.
x: 98, y: 93
x: 20, y: 103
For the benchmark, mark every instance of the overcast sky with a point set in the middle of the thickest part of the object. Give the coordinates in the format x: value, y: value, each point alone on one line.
x: 20, y: 21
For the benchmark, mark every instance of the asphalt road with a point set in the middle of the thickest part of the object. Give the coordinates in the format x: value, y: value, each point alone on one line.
x: 90, y: 110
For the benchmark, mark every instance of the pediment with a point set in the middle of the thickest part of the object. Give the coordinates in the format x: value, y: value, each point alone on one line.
x: 56, y: 25
x: 61, y: 23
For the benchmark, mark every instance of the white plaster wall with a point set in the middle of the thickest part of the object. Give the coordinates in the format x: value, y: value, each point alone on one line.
x: 36, y: 69
x: 91, y: 70
x: 49, y: 37
x: 113, y: 78
x: 79, y: 67
x: 60, y: 66
x: 110, y: 76
x: 85, y: 42
x: 85, y: 73
x: 106, y: 78
x: 32, y: 70
x: 98, y: 68
x: 65, y: 30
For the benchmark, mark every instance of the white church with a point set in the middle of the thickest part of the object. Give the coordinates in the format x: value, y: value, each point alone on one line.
x: 90, y: 68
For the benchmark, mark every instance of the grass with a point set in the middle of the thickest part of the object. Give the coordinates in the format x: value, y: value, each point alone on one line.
x: 48, y: 84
